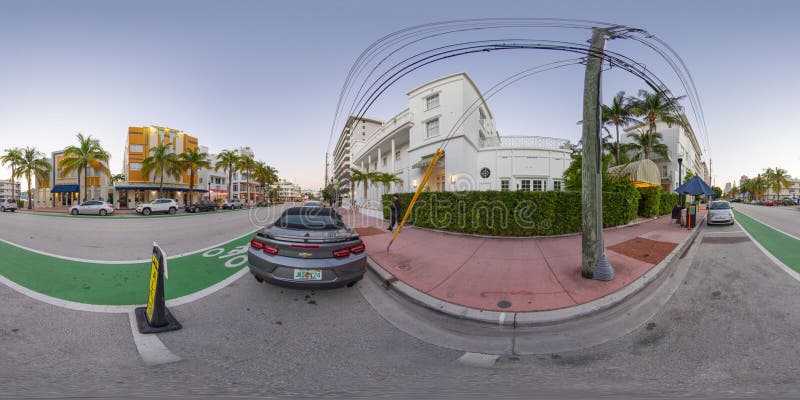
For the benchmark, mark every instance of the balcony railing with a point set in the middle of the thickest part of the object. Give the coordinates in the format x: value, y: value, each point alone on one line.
x: 542, y: 142
x: 384, y: 131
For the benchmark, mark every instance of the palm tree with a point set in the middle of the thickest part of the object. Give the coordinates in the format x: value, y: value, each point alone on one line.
x: 618, y: 114
x: 32, y: 162
x: 114, y: 179
x: 246, y: 163
x: 755, y: 186
x: 646, y: 143
x: 193, y: 160
x: 88, y: 153
x: 386, y: 179
x: 357, y: 176
x: 265, y: 175
x: 162, y: 161
x: 11, y: 158
x: 777, y: 179
x: 657, y: 106
x: 227, y: 159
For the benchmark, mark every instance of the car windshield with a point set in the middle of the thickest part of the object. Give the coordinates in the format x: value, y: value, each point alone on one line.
x: 310, y: 219
x: 721, y: 205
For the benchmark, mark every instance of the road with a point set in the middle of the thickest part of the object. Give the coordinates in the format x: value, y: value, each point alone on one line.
x: 731, y: 327
x: 784, y: 218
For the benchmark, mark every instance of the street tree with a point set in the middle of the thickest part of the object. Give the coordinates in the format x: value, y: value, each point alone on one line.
x: 193, y: 160
x: 32, y: 164
x: 11, y: 157
x: 227, y: 160
x: 88, y: 153
x: 658, y: 106
x: 162, y: 161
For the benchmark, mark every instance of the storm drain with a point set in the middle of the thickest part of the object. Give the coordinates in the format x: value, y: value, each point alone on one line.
x: 725, y: 239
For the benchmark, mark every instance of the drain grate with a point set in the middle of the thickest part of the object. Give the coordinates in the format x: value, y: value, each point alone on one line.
x: 504, y: 304
x: 725, y: 239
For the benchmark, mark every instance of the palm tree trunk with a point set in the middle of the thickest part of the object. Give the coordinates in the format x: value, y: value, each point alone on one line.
x: 30, y: 196
x: 161, y: 185
x: 13, y: 173
x: 650, y: 138
x: 248, y: 186
x: 230, y: 182
x: 85, y: 183
x: 617, y: 126
x: 191, y: 187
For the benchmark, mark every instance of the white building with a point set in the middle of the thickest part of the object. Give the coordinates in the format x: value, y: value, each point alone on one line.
x: 682, y: 143
x: 288, y: 191
x: 353, y: 130
x: 476, y: 156
x: 792, y: 191
x: 241, y: 182
x: 6, y: 189
x: 216, y: 182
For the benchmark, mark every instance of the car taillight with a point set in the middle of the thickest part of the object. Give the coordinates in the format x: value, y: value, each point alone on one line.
x: 341, y: 252
x: 359, y: 248
x: 270, y: 250
x: 256, y: 244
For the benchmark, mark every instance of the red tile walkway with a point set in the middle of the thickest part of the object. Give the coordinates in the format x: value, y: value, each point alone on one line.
x: 532, y: 274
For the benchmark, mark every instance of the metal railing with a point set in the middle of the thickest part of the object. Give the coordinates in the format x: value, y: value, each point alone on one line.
x: 525, y: 141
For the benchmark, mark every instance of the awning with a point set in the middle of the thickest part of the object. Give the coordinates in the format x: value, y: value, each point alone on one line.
x: 425, y: 161
x: 642, y: 173
x: 165, y: 188
x: 65, y: 189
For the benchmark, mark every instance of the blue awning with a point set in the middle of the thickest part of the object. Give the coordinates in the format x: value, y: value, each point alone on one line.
x: 165, y: 188
x: 65, y: 189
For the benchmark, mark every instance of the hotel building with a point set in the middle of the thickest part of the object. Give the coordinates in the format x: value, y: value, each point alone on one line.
x: 6, y: 191
x: 137, y: 188
x: 59, y: 190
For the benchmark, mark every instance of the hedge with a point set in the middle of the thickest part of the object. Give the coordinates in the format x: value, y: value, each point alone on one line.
x: 668, y: 201
x: 512, y: 213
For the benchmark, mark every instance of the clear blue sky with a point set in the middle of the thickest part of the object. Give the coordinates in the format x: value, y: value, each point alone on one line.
x: 267, y: 74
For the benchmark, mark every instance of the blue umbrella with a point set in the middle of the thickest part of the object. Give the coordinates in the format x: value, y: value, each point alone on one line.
x: 695, y: 186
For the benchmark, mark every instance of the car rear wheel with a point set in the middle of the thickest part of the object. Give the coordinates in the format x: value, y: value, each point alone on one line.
x: 172, y: 210
x: 2, y: 209
x: 258, y: 278
x: 74, y: 211
x: 146, y: 211
x: 103, y: 213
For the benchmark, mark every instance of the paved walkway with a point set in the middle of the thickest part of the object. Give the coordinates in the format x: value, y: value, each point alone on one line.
x: 531, y: 274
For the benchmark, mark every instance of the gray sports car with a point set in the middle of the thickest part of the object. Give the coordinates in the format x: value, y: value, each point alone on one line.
x: 308, y: 247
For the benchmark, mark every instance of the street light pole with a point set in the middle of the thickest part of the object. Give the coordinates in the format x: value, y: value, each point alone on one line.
x: 594, y: 263
x: 680, y: 179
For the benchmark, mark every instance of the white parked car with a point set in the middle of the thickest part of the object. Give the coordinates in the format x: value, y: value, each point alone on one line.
x: 8, y: 205
x: 232, y: 204
x: 92, y: 207
x: 169, y: 206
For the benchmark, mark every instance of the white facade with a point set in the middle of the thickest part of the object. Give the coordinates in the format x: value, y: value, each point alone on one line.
x: 287, y: 191
x: 681, y: 143
x: 216, y: 182
x: 353, y: 130
x: 792, y: 191
x: 241, y: 182
x: 6, y: 189
x: 476, y: 156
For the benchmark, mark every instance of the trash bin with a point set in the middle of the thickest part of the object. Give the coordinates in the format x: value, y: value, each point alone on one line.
x: 676, y: 213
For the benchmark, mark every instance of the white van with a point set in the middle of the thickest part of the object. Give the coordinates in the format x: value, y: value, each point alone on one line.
x: 7, y: 205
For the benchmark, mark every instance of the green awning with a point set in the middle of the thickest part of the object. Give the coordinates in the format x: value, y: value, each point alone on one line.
x: 425, y: 161
x: 642, y: 173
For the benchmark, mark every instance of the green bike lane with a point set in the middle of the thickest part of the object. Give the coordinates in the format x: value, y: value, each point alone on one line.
x: 782, y: 246
x: 119, y: 283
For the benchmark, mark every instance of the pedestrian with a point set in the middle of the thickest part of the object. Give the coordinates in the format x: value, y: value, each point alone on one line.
x: 394, y: 211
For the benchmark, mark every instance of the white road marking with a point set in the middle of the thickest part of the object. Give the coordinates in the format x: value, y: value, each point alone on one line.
x: 147, y: 261
x: 478, y: 360
x: 770, y: 226
x: 150, y: 347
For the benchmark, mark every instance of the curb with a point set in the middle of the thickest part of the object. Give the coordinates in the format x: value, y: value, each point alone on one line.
x: 533, y: 318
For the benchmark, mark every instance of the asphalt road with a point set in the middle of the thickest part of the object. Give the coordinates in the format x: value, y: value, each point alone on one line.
x: 730, y: 328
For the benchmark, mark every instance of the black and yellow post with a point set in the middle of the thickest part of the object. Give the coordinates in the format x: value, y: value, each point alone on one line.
x: 156, y: 317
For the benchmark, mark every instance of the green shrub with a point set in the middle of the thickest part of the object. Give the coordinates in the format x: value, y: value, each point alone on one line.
x: 513, y: 213
x: 667, y: 202
x: 650, y: 202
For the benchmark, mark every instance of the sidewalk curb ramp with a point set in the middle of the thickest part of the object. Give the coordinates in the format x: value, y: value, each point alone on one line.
x: 534, y: 318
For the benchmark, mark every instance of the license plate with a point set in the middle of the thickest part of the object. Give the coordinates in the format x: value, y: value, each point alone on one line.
x: 308, y: 274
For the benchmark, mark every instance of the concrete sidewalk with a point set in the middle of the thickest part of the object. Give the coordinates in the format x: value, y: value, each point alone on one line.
x: 514, y: 275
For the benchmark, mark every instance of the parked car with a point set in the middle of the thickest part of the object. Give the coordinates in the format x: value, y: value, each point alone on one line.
x: 92, y: 207
x: 758, y: 202
x: 232, y: 205
x: 262, y: 203
x: 308, y: 247
x: 768, y: 203
x: 202, y: 206
x: 158, y: 206
x: 736, y: 200
x: 720, y: 212
x: 312, y: 203
x: 8, y: 205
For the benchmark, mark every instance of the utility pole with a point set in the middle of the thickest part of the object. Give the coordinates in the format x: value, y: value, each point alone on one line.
x: 594, y: 263
x: 325, y: 184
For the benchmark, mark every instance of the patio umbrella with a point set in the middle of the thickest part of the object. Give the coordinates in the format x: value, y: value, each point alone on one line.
x: 695, y: 186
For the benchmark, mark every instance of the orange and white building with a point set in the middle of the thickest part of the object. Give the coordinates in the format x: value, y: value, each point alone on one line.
x: 137, y: 188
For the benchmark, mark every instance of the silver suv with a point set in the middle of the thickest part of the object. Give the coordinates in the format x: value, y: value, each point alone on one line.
x: 158, y: 206
x: 7, y: 205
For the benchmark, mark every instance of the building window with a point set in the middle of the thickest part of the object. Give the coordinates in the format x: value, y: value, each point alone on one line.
x: 440, y: 183
x: 504, y: 185
x: 135, y: 166
x: 397, y: 155
x: 538, y: 185
x: 384, y: 161
x: 557, y: 186
x: 664, y: 171
x: 235, y: 187
x: 432, y: 128
x: 432, y: 101
x: 526, y: 184
x: 481, y: 114
x: 137, y: 148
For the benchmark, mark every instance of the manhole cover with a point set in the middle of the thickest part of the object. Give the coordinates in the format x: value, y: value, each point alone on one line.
x: 504, y: 304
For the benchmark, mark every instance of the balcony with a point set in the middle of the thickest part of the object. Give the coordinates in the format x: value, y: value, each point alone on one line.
x: 539, y: 142
x: 386, y: 129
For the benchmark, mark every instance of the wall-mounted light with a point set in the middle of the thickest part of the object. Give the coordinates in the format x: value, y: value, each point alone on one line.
x: 414, y: 183
x: 452, y: 179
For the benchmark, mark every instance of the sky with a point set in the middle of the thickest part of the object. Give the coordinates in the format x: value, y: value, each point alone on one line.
x: 268, y: 74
